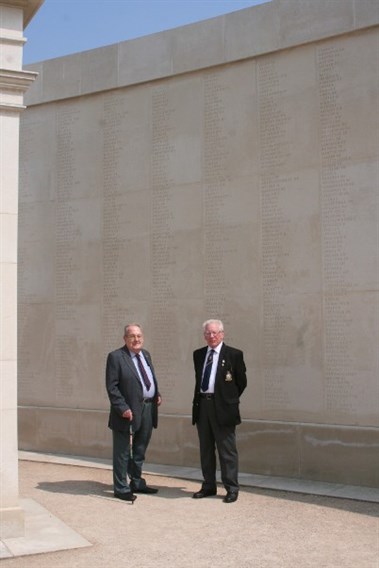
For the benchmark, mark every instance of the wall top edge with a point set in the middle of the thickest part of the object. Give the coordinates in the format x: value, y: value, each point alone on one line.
x: 266, y: 28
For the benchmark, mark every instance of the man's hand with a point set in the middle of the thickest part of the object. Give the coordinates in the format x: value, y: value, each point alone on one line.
x: 128, y: 414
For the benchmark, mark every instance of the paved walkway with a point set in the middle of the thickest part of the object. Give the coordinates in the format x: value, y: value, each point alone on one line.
x: 72, y: 517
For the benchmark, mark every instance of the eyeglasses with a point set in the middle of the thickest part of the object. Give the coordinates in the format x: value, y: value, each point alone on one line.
x: 211, y: 333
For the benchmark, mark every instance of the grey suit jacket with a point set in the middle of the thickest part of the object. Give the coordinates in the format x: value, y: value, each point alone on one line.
x: 125, y: 390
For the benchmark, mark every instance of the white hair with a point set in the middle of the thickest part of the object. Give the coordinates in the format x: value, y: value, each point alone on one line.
x: 214, y: 322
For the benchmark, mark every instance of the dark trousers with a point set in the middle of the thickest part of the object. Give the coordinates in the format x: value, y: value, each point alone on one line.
x: 127, y: 464
x: 212, y: 435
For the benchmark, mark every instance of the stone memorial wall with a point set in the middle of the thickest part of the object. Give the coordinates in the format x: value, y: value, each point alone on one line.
x: 237, y: 185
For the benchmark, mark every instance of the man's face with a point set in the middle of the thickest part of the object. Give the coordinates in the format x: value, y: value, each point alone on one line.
x: 213, y: 336
x: 134, y: 338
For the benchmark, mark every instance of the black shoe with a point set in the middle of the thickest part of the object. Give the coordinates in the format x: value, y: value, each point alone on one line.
x: 126, y: 496
x: 204, y: 493
x: 147, y: 490
x: 231, y: 497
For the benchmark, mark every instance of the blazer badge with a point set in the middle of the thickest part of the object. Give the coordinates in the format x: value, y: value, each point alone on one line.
x: 228, y: 377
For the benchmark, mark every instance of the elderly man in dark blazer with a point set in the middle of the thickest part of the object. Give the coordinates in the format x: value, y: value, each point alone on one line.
x: 220, y: 380
x: 133, y: 393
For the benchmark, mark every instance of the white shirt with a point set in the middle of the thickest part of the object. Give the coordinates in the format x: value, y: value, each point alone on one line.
x: 216, y: 355
x: 146, y: 393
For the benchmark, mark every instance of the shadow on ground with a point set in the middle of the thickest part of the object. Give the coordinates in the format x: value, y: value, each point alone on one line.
x: 96, y: 488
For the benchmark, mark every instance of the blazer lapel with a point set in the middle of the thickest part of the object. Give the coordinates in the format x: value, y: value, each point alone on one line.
x: 199, y: 365
x: 221, y: 359
x: 202, y: 359
x: 128, y: 361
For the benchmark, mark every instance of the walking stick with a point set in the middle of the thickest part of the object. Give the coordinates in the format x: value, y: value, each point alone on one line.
x: 131, y: 445
x: 131, y: 441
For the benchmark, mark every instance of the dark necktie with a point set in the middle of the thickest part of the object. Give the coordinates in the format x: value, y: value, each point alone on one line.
x: 207, y: 371
x: 145, y: 378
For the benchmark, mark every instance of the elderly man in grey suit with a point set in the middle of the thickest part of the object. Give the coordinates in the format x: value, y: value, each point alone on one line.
x: 220, y: 380
x: 133, y: 393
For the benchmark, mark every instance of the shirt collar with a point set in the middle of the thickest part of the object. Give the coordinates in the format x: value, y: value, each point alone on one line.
x: 217, y: 349
x: 134, y: 355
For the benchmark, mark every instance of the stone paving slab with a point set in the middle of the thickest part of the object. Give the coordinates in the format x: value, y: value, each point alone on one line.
x: 43, y: 533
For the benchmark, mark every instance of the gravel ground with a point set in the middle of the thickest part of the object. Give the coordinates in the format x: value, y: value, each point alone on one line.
x: 263, y: 529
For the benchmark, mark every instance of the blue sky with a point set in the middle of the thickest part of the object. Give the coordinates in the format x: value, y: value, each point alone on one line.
x: 61, y: 27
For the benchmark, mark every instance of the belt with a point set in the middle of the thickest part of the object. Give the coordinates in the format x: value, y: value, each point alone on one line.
x: 207, y: 395
x: 148, y: 400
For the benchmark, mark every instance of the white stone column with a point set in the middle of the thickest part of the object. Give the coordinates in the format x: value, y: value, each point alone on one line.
x: 13, y: 84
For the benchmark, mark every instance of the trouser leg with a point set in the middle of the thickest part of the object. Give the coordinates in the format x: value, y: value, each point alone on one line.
x: 120, y: 461
x: 228, y: 456
x: 141, y: 439
x: 207, y: 446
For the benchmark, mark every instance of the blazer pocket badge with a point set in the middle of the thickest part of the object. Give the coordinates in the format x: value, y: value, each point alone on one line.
x: 228, y: 377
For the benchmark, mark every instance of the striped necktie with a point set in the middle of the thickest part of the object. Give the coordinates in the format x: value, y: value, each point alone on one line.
x: 207, y: 371
x: 145, y: 378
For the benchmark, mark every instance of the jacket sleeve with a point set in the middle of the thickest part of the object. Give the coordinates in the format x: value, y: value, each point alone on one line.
x: 195, y: 401
x: 112, y: 382
x: 241, y: 379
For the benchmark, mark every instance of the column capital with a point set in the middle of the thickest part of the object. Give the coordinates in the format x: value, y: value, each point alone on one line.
x: 13, y: 85
x: 28, y: 7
